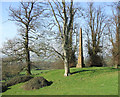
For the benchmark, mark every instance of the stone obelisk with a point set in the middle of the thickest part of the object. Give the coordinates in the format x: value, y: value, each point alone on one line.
x: 80, y: 56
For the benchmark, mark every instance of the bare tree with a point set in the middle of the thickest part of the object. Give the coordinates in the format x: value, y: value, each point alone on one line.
x: 114, y: 33
x: 14, y: 49
x: 63, y: 13
x: 26, y: 16
x: 96, y: 21
x: 118, y: 62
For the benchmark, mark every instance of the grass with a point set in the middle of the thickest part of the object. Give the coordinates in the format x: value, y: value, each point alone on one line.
x: 85, y: 81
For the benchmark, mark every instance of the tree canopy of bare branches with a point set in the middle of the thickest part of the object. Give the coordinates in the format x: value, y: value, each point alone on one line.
x: 26, y: 16
x: 114, y: 33
x: 96, y: 24
x: 64, y: 13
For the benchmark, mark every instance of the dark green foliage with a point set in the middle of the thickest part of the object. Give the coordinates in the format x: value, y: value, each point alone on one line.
x: 96, y: 60
x: 36, y: 83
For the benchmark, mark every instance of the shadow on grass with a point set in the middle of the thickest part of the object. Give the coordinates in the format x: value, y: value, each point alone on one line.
x: 81, y: 71
x: 4, y: 89
x: 95, y: 70
x: 115, y: 68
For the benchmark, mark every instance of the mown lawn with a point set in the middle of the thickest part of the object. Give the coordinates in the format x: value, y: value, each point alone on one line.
x: 85, y: 81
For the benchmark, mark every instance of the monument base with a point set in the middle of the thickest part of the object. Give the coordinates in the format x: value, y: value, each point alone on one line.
x: 79, y: 66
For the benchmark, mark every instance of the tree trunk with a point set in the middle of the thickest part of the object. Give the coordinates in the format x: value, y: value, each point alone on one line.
x: 70, y: 47
x: 66, y: 64
x: 118, y: 39
x: 66, y: 58
x: 28, y: 69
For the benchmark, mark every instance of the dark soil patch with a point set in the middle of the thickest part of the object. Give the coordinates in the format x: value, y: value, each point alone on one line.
x: 36, y: 83
x: 18, y: 79
x: 14, y: 81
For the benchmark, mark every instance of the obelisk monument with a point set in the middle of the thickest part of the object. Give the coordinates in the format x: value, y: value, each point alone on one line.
x: 80, y: 56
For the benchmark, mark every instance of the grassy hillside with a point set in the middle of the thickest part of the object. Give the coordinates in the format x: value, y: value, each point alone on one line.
x: 86, y: 81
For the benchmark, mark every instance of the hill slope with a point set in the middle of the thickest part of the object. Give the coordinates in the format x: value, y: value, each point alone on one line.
x: 85, y: 81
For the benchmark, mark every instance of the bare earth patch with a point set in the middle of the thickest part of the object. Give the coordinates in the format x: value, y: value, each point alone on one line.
x: 14, y: 81
x: 36, y: 83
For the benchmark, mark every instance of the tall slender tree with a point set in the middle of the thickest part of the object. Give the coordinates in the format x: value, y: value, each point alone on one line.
x: 26, y: 16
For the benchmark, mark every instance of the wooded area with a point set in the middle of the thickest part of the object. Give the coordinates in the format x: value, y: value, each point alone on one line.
x: 49, y: 34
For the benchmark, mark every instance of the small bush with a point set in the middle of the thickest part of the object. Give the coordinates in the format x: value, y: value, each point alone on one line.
x: 95, y: 60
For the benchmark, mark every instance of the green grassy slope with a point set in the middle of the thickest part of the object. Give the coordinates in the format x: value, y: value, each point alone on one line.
x: 85, y: 81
